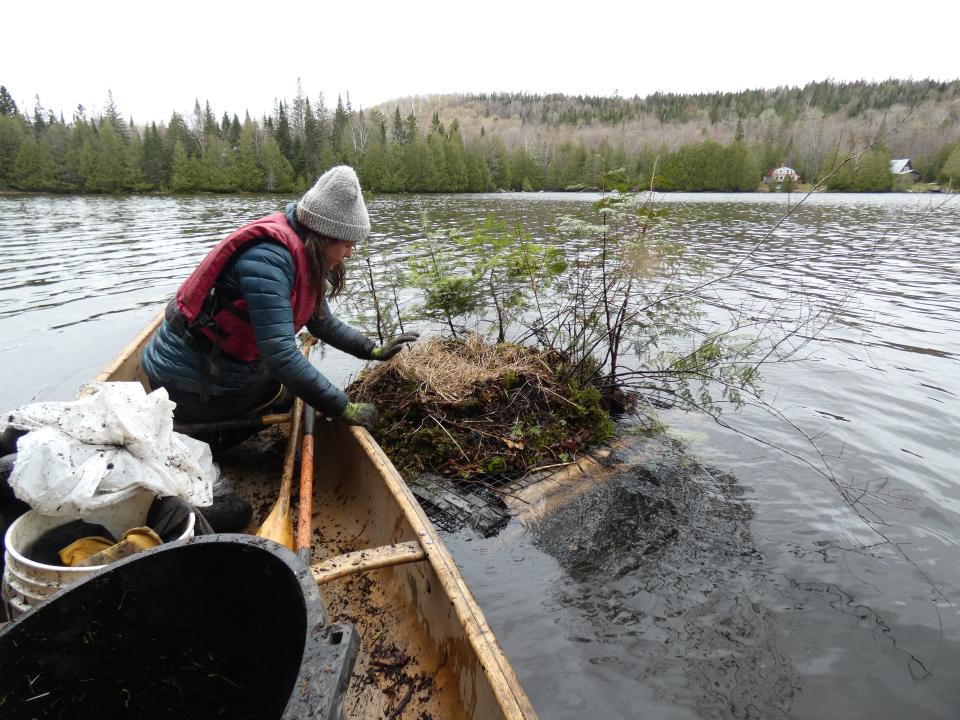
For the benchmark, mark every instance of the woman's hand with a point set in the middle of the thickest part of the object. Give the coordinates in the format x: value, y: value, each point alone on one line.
x: 363, y: 414
x: 394, y: 345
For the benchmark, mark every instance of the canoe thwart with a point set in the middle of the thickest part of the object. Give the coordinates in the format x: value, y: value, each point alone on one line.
x: 361, y: 561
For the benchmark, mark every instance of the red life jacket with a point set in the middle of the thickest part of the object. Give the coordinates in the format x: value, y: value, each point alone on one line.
x: 229, y: 326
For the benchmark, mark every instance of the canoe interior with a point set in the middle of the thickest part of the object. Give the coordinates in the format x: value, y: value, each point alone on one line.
x: 426, y: 650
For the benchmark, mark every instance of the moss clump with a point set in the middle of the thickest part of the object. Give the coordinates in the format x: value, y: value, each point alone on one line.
x: 467, y: 408
x: 495, y: 465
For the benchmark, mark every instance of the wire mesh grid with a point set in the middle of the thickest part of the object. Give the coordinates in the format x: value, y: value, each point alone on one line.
x: 476, y: 502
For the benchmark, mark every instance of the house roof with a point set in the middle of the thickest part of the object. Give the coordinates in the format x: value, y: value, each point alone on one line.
x: 782, y: 170
x: 901, y: 166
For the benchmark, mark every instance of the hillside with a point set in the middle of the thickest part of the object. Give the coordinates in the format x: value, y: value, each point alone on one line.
x: 796, y: 126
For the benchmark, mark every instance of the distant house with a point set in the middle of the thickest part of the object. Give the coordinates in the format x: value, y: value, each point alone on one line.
x: 778, y: 176
x: 902, y: 167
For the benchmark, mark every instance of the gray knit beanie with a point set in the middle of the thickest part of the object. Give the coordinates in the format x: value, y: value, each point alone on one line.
x: 334, y: 206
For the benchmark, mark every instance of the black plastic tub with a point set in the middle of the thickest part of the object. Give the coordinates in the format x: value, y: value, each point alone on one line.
x: 219, y: 626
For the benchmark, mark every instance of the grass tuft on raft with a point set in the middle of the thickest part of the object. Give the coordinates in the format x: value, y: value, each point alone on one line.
x: 466, y: 407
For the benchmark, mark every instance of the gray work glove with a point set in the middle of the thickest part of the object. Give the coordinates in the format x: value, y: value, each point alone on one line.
x: 364, y: 414
x: 394, y: 345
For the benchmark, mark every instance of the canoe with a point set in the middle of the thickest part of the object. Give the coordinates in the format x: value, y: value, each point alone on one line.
x: 426, y: 649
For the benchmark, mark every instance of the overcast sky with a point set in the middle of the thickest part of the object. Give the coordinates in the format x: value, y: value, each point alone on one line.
x: 160, y: 56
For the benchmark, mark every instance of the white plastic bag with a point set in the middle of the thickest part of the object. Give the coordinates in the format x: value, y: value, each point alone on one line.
x: 93, y: 452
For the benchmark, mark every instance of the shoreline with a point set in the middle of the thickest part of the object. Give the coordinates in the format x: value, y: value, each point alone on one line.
x: 208, y: 194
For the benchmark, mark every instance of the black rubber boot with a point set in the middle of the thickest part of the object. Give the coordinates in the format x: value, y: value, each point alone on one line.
x: 8, y: 439
x: 229, y: 513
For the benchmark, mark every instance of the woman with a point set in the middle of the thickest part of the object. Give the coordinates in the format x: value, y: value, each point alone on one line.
x: 227, y: 347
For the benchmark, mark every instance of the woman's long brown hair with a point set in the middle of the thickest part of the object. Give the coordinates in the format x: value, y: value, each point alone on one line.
x: 319, y: 280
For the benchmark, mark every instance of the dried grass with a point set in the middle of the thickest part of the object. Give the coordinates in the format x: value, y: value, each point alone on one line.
x: 449, y: 370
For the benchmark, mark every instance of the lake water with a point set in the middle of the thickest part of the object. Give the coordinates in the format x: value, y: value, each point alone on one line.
x: 733, y: 582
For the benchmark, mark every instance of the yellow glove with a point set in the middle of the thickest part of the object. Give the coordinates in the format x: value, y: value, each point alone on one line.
x: 133, y: 541
x: 79, y: 550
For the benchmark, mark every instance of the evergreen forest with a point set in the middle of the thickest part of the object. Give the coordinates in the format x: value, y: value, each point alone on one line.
x: 842, y: 133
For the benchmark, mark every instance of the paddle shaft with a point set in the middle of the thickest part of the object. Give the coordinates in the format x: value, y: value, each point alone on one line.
x: 305, y: 506
x: 233, y: 424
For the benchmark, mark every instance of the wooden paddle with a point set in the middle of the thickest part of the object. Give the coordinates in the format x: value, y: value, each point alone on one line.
x: 279, y: 523
x: 305, y: 506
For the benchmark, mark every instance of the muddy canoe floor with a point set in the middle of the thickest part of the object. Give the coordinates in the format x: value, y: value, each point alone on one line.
x: 396, y: 674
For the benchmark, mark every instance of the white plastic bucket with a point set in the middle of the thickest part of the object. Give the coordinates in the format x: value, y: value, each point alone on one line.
x: 27, y: 583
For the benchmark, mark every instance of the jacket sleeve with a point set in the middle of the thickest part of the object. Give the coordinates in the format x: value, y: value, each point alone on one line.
x: 265, y: 275
x: 338, y: 334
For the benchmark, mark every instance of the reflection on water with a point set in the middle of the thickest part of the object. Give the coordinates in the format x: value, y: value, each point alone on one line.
x: 660, y: 592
